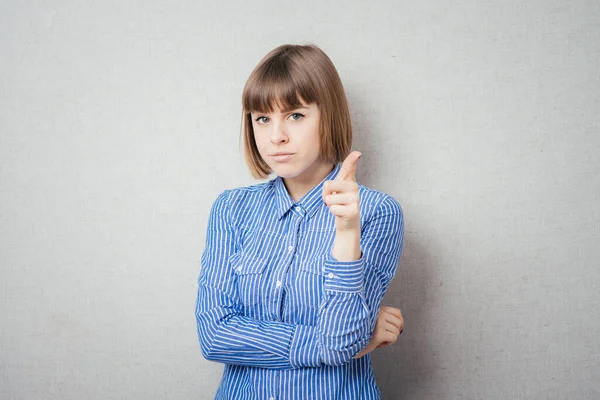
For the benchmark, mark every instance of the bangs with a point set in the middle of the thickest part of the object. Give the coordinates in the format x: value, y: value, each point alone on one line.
x: 277, y: 84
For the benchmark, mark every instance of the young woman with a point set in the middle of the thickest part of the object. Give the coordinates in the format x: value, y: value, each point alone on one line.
x: 294, y: 269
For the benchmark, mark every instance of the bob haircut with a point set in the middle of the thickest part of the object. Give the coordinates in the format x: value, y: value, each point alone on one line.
x: 286, y: 77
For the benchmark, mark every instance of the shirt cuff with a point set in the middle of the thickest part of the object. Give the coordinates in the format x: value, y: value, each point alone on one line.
x: 304, y: 350
x: 344, y: 276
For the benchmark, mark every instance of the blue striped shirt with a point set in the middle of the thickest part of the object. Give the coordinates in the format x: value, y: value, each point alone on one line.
x: 283, y: 315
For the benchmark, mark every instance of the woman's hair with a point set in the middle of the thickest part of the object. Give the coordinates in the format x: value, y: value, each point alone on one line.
x: 286, y: 76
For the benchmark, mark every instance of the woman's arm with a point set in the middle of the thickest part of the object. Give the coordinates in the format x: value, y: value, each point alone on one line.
x: 225, y: 334
x: 353, y: 292
x: 356, y: 281
x: 354, y: 289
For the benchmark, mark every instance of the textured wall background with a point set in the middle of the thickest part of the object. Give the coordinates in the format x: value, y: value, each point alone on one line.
x: 119, y: 125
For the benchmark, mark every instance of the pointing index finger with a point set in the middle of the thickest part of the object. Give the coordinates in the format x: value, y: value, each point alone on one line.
x: 348, y: 169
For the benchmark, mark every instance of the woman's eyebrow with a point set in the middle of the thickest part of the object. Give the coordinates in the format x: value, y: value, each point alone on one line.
x: 295, y: 108
x: 287, y: 110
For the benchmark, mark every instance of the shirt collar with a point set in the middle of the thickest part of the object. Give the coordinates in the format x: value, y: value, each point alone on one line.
x: 310, y: 202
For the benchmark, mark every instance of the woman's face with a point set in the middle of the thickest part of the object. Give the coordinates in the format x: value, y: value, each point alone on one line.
x: 289, y: 141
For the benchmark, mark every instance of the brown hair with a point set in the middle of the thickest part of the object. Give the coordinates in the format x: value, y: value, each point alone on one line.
x: 286, y: 76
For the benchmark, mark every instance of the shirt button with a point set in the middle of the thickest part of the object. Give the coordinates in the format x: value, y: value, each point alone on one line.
x: 331, y: 275
x: 278, y: 284
x: 291, y: 248
x: 239, y: 269
x: 271, y: 398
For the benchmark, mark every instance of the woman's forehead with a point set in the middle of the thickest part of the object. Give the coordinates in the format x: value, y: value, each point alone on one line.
x: 282, y: 108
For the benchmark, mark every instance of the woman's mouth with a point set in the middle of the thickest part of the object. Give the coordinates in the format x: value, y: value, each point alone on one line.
x: 282, y: 157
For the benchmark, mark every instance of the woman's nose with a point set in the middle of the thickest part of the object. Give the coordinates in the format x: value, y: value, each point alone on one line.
x: 278, y: 134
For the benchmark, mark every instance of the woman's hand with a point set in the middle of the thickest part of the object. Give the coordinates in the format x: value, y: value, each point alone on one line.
x: 341, y: 196
x: 388, y: 326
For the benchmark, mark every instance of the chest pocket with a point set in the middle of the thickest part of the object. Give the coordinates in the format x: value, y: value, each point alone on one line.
x: 250, y: 275
x: 309, y: 284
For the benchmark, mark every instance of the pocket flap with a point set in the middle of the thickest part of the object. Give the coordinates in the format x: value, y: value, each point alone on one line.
x: 314, y: 265
x: 244, y: 264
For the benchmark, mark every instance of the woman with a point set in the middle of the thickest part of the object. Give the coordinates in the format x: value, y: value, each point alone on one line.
x: 294, y: 269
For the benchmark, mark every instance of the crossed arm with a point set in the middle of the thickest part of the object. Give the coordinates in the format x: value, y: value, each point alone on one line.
x: 345, y: 322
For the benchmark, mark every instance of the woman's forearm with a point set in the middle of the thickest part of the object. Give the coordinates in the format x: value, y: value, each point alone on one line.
x: 346, y: 245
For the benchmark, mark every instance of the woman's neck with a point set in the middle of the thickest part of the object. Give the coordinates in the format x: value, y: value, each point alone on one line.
x: 297, y: 187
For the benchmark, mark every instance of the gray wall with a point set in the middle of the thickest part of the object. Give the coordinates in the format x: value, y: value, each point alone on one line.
x: 119, y: 125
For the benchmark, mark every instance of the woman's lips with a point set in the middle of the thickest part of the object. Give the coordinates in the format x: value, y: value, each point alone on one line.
x: 282, y: 157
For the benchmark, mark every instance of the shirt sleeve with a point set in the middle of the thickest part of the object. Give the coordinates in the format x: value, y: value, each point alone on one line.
x: 354, y: 289
x: 225, y: 334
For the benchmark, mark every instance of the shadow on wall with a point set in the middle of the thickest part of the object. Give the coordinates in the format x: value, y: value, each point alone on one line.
x: 405, y: 369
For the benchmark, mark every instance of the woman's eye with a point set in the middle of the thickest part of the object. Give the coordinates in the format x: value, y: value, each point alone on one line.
x: 262, y: 120
x: 298, y: 115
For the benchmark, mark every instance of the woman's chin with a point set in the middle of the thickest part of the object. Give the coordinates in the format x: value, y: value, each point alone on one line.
x: 285, y: 173
x: 286, y: 170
